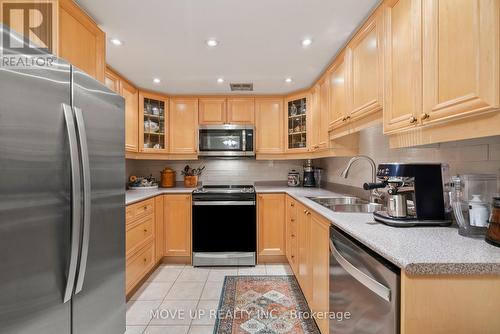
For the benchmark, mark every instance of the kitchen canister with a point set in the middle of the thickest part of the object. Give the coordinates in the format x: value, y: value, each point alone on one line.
x: 293, y: 178
x: 168, y: 178
x: 493, y: 232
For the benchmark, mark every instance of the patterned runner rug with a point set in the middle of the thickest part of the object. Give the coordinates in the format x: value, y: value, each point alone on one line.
x: 263, y: 305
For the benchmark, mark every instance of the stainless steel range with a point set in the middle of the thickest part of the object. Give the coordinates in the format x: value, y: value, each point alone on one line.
x: 224, y: 225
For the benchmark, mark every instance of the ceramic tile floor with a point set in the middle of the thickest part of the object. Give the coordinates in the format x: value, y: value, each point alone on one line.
x: 185, y: 296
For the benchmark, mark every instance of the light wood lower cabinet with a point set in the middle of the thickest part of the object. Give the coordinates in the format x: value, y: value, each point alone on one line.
x: 303, y: 272
x: 139, y: 242
x: 159, y: 228
x: 443, y: 304
x: 156, y: 229
x: 311, y: 267
x: 271, y: 227
x: 138, y: 266
x: 292, y: 251
x: 177, y: 225
x: 319, y: 265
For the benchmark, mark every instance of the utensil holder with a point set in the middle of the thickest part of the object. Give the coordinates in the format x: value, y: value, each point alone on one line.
x: 190, y: 181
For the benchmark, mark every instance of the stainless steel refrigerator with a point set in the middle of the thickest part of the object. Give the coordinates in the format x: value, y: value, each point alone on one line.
x: 62, y: 211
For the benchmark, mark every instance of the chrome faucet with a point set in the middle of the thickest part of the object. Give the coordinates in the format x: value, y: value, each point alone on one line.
x: 375, y: 195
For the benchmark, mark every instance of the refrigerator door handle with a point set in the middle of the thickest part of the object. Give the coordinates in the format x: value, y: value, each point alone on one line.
x: 84, y: 154
x: 376, y: 287
x: 76, y: 200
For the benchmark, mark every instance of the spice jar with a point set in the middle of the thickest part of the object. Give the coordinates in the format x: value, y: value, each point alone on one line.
x: 493, y: 233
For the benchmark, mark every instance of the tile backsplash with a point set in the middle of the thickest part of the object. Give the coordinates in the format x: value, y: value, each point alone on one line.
x: 467, y: 156
x: 219, y: 171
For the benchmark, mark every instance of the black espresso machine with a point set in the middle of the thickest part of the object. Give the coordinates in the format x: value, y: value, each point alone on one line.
x: 416, y: 194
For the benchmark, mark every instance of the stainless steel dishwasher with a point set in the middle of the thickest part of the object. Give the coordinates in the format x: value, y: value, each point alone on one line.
x: 364, y: 289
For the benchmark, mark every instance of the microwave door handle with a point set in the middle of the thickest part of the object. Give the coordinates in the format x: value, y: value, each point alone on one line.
x: 244, y: 140
x: 82, y: 139
x: 75, y: 202
x: 376, y: 287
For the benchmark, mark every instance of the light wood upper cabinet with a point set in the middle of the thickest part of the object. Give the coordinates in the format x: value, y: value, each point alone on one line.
x: 212, y: 111
x: 269, y: 127
x: 81, y: 42
x: 403, y: 64
x: 153, y: 123
x: 240, y: 110
x: 131, y: 96
x: 271, y: 225
x: 183, y: 125
x: 177, y: 225
x: 297, y: 127
x: 320, y: 110
x: 364, y: 57
x: 461, y: 55
x: 338, y: 108
x: 324, y: 114
x: 112, y: 80
x: 312, y: 118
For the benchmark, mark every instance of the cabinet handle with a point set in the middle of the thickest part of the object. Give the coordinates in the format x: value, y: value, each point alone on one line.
x: 305, y: 211
x: 413, y: 119
x: 145, y: 230
x: 293, y: 256
x: 348, y: 118
x: 292, y: 204
x: 344, y: 119
x: 292, y: 219
x: 308, y: 213
x: 293, y: 235
x: 145, y: 260
x: 425, y: 116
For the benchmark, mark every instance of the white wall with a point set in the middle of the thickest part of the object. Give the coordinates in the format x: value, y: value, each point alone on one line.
x: 219, y: 171
x: 468, y: 156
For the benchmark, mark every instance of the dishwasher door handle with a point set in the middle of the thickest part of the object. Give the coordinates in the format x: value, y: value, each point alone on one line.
x: 376, y: 287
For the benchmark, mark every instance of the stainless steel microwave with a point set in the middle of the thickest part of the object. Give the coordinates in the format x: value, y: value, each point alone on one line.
x: 226, y: 140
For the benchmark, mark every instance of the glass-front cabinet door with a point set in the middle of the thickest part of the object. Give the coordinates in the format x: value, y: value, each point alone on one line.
x: 297, y: 123
x: 153, y: 123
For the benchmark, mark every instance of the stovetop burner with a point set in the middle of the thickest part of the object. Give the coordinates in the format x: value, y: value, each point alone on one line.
x: 225, y: 188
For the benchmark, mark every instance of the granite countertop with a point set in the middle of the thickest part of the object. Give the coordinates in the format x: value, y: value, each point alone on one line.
x: 417, y: 250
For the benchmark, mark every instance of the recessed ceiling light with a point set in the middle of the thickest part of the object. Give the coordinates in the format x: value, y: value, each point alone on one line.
x: 212, y: 42
x: 116, y: 41
x: 220, y: 80
x: 156, y: 80
x: 288, y: 80
x: 306, y: 42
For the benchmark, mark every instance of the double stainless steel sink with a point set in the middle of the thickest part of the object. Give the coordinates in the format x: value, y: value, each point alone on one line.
x: 347, y: 204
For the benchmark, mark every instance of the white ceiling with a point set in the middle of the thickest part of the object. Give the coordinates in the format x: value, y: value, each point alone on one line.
x: 260, y: 41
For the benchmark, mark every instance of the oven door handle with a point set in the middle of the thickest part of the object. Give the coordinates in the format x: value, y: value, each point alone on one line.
x: 376, y: 287
x: 211, y: 203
